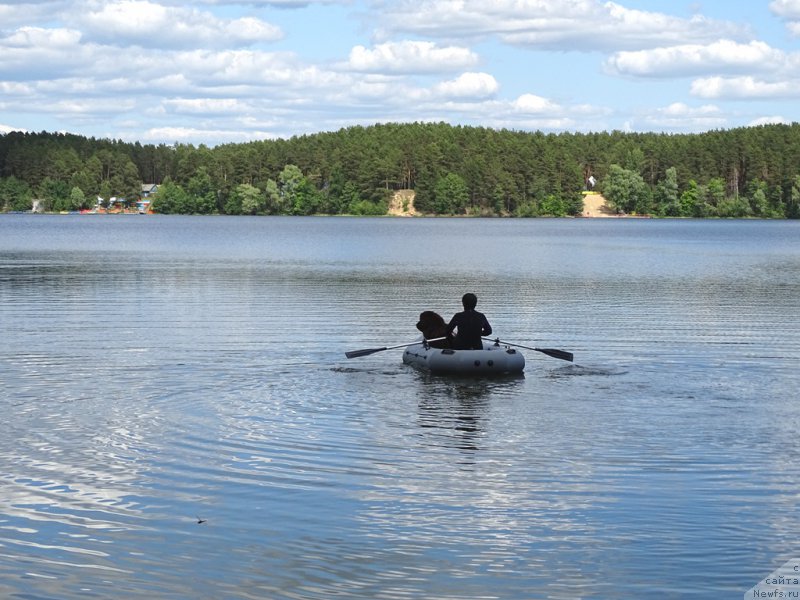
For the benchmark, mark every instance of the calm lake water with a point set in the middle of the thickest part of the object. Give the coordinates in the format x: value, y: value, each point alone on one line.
x: 160, y: 371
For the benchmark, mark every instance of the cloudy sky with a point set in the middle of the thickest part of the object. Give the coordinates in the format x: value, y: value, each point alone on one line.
x: 216, y: 71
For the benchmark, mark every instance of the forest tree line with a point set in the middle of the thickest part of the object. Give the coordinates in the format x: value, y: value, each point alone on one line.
x: 453, y: 170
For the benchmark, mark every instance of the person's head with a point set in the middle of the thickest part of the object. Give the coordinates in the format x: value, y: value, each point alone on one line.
x: 470, y: 301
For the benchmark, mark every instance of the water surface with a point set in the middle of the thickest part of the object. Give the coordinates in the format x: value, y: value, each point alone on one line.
x: 160, y: 371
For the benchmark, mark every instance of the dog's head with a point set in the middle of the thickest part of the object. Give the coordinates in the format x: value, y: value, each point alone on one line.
x: 431, y: 324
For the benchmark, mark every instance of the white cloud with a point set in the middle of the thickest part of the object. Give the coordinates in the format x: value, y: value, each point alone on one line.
x: 681, y: 117
x: 532, y: 104
x: 15, y: 88
x: 9, y: 129
x: 191, y: 134
x: 744, y: 88
x: 773, y: 120
x: 410, y: 57
x: 538, y: 123
x: 246, y: 72
x: 567, y: 25
x: 147, y: 24
x: 82, y: 108
x: 682, y: 110
x: 788, y: 9
x: 14, y: 14
x: 723, y: 56
x: 468, y: 85
x: 207, y: 106
x: 33, y: 52
x: 33, y: 37
x: 74, y: 109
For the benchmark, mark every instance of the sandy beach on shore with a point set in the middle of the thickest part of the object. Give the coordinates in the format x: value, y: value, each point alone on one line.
x: 594, y: 205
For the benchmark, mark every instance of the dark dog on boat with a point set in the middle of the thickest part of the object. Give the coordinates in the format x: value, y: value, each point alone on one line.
x: 432, y: 325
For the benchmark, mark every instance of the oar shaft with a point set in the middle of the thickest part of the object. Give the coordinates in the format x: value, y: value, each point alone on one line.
x: 368, y: 351
x: 415, y: 343
x: 560, y: 354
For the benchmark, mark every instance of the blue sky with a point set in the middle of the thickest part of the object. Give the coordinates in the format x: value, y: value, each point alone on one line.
x: 218, y: 71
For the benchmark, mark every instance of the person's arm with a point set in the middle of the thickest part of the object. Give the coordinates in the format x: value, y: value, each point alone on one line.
x: 486, y: 329
x: 451, y: 325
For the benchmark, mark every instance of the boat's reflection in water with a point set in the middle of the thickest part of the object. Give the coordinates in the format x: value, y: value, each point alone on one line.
x: 454, y: 410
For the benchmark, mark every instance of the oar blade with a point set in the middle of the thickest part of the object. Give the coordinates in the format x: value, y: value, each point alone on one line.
x: 561, y: 354
x: 364, y: 352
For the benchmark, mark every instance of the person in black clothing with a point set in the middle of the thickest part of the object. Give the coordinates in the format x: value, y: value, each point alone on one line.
x: 471, y: 325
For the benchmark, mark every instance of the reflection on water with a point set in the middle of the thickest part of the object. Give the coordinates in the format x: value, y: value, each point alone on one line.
x: 454, y: 417
x: 157, y: 372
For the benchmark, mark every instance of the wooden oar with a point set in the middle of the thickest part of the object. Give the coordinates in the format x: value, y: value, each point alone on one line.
x: 560, y: 354
x: 367, y: 351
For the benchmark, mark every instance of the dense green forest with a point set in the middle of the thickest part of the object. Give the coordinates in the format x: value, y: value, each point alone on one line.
x: 453, y: 170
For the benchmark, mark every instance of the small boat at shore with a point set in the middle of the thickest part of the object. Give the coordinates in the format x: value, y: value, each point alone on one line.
x: 495, y: 359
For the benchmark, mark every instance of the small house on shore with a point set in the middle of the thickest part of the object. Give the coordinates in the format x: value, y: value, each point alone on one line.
x: 148, y: 189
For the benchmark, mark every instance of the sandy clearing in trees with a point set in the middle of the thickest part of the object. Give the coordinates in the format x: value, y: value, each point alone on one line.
x: 594, y: 205
x: 402, y: 204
